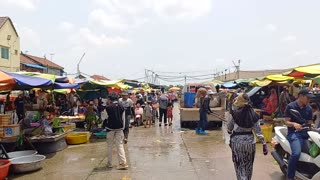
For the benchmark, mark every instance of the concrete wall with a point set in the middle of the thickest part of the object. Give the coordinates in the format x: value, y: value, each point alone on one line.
x: 14, y: 48
x: 250, y: 74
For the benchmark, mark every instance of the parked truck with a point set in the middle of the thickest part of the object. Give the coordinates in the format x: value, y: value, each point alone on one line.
x: 189, y: 116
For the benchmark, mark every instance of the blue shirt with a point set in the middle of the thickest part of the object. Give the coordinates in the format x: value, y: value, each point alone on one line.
x: 306, y: 114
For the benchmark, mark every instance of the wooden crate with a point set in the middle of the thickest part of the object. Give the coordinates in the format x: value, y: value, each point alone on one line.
x: 5, y: 119
x: 9, y: 131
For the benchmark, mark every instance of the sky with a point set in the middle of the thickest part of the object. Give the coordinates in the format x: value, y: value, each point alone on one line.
x: 122, y: 38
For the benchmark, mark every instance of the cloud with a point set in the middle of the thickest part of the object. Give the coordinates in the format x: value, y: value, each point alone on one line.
x: 271, y: 27
x: 66, y: 26
x: 182, y: 9
x: 125, y: 6
x: 24, y: 4
x: 124, y: 14
x: 29, y: 38
x: 114, y: 21
x: 301, y: 52
x: 86, y: 38
x: 289, y: 38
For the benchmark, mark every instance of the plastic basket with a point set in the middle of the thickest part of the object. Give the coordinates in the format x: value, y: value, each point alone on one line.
x: 4, y: 168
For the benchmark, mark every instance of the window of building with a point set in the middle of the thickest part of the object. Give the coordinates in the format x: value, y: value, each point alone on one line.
x: 4, y: 53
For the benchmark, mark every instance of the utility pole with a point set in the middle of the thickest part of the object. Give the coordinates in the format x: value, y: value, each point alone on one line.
x: 225, y: 74
x: 78, y: 65
x: 185, y: 79
x: 239, y: 68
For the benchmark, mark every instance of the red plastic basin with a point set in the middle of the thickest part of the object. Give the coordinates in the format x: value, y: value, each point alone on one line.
x: 4, y: 168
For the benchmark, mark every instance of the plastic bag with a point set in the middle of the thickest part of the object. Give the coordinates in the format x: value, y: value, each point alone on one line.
x: 314, y: 150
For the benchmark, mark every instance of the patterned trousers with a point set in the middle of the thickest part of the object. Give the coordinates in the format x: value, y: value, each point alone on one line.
x: 243, y: 158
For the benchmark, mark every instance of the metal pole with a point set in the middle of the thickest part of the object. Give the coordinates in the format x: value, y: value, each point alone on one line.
x: 78, y: 65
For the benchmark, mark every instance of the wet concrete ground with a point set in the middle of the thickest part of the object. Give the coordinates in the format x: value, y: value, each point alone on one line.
x: 155, y: 153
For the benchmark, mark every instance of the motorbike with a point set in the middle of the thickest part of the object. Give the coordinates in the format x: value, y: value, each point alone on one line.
x: 308, y: 167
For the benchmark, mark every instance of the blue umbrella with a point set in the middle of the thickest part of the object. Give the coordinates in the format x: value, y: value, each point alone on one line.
x: 229, y: 84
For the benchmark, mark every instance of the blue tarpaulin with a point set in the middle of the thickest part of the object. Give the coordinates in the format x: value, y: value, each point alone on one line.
x: 57, y: 85
x: 25, y: 81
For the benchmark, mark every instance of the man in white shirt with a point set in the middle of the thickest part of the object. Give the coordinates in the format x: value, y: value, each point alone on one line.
x: 127, y: 103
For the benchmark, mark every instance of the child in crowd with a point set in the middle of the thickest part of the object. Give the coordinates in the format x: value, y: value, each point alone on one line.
x: 139, y: 113
x: 169, y: 113
x: 316, y: 114
x: 148, y: 113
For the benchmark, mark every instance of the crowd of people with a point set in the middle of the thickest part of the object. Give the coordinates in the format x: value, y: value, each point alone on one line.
x: 244, y: 120
x: 120, y: 109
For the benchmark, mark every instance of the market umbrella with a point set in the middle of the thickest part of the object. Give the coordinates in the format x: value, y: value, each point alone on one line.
x: 174, y: 89
x: 260, y: 83
x: 279, y: 77
x: 305, y: 71
x: 58, y: 85
x: 6, y: 82
x: 230, y: 84
x: 114, y: 84
x: 51, y: 77
x: 59, y: 82
x: 28, y: 82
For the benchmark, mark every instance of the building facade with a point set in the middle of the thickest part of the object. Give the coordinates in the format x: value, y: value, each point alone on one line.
x: 9, y: 46
x: 32, y: 63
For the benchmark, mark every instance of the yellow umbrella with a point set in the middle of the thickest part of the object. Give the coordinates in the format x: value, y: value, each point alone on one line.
x: 174, y: 89
x: 261, y: 83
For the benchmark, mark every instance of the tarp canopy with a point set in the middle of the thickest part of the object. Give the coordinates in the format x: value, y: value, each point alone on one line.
x: 230, y: 84
x: 316, y: 79
x: 27, y: 82
x: 59, y: 82
x: 115, y: 84
x: 51, y: 77
x: 260, y: 83
x: 6, y: 82
x: 276, y: 79
x: 302, y: 71
x: 58, y: 85
x: 279, y: 77
x: 81, y: 81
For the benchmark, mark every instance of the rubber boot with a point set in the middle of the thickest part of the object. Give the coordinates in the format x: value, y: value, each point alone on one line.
x: 198, y: 130
x: 203, y: 132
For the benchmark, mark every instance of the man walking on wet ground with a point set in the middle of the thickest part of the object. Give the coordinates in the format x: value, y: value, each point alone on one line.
x: 163, y: 104
x: 115, y: 125
x: 204, y: 111
x: 127, y: 103
x: 154, y: 101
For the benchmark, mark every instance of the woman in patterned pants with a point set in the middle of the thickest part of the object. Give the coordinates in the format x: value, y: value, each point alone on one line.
x: 242, y: 142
